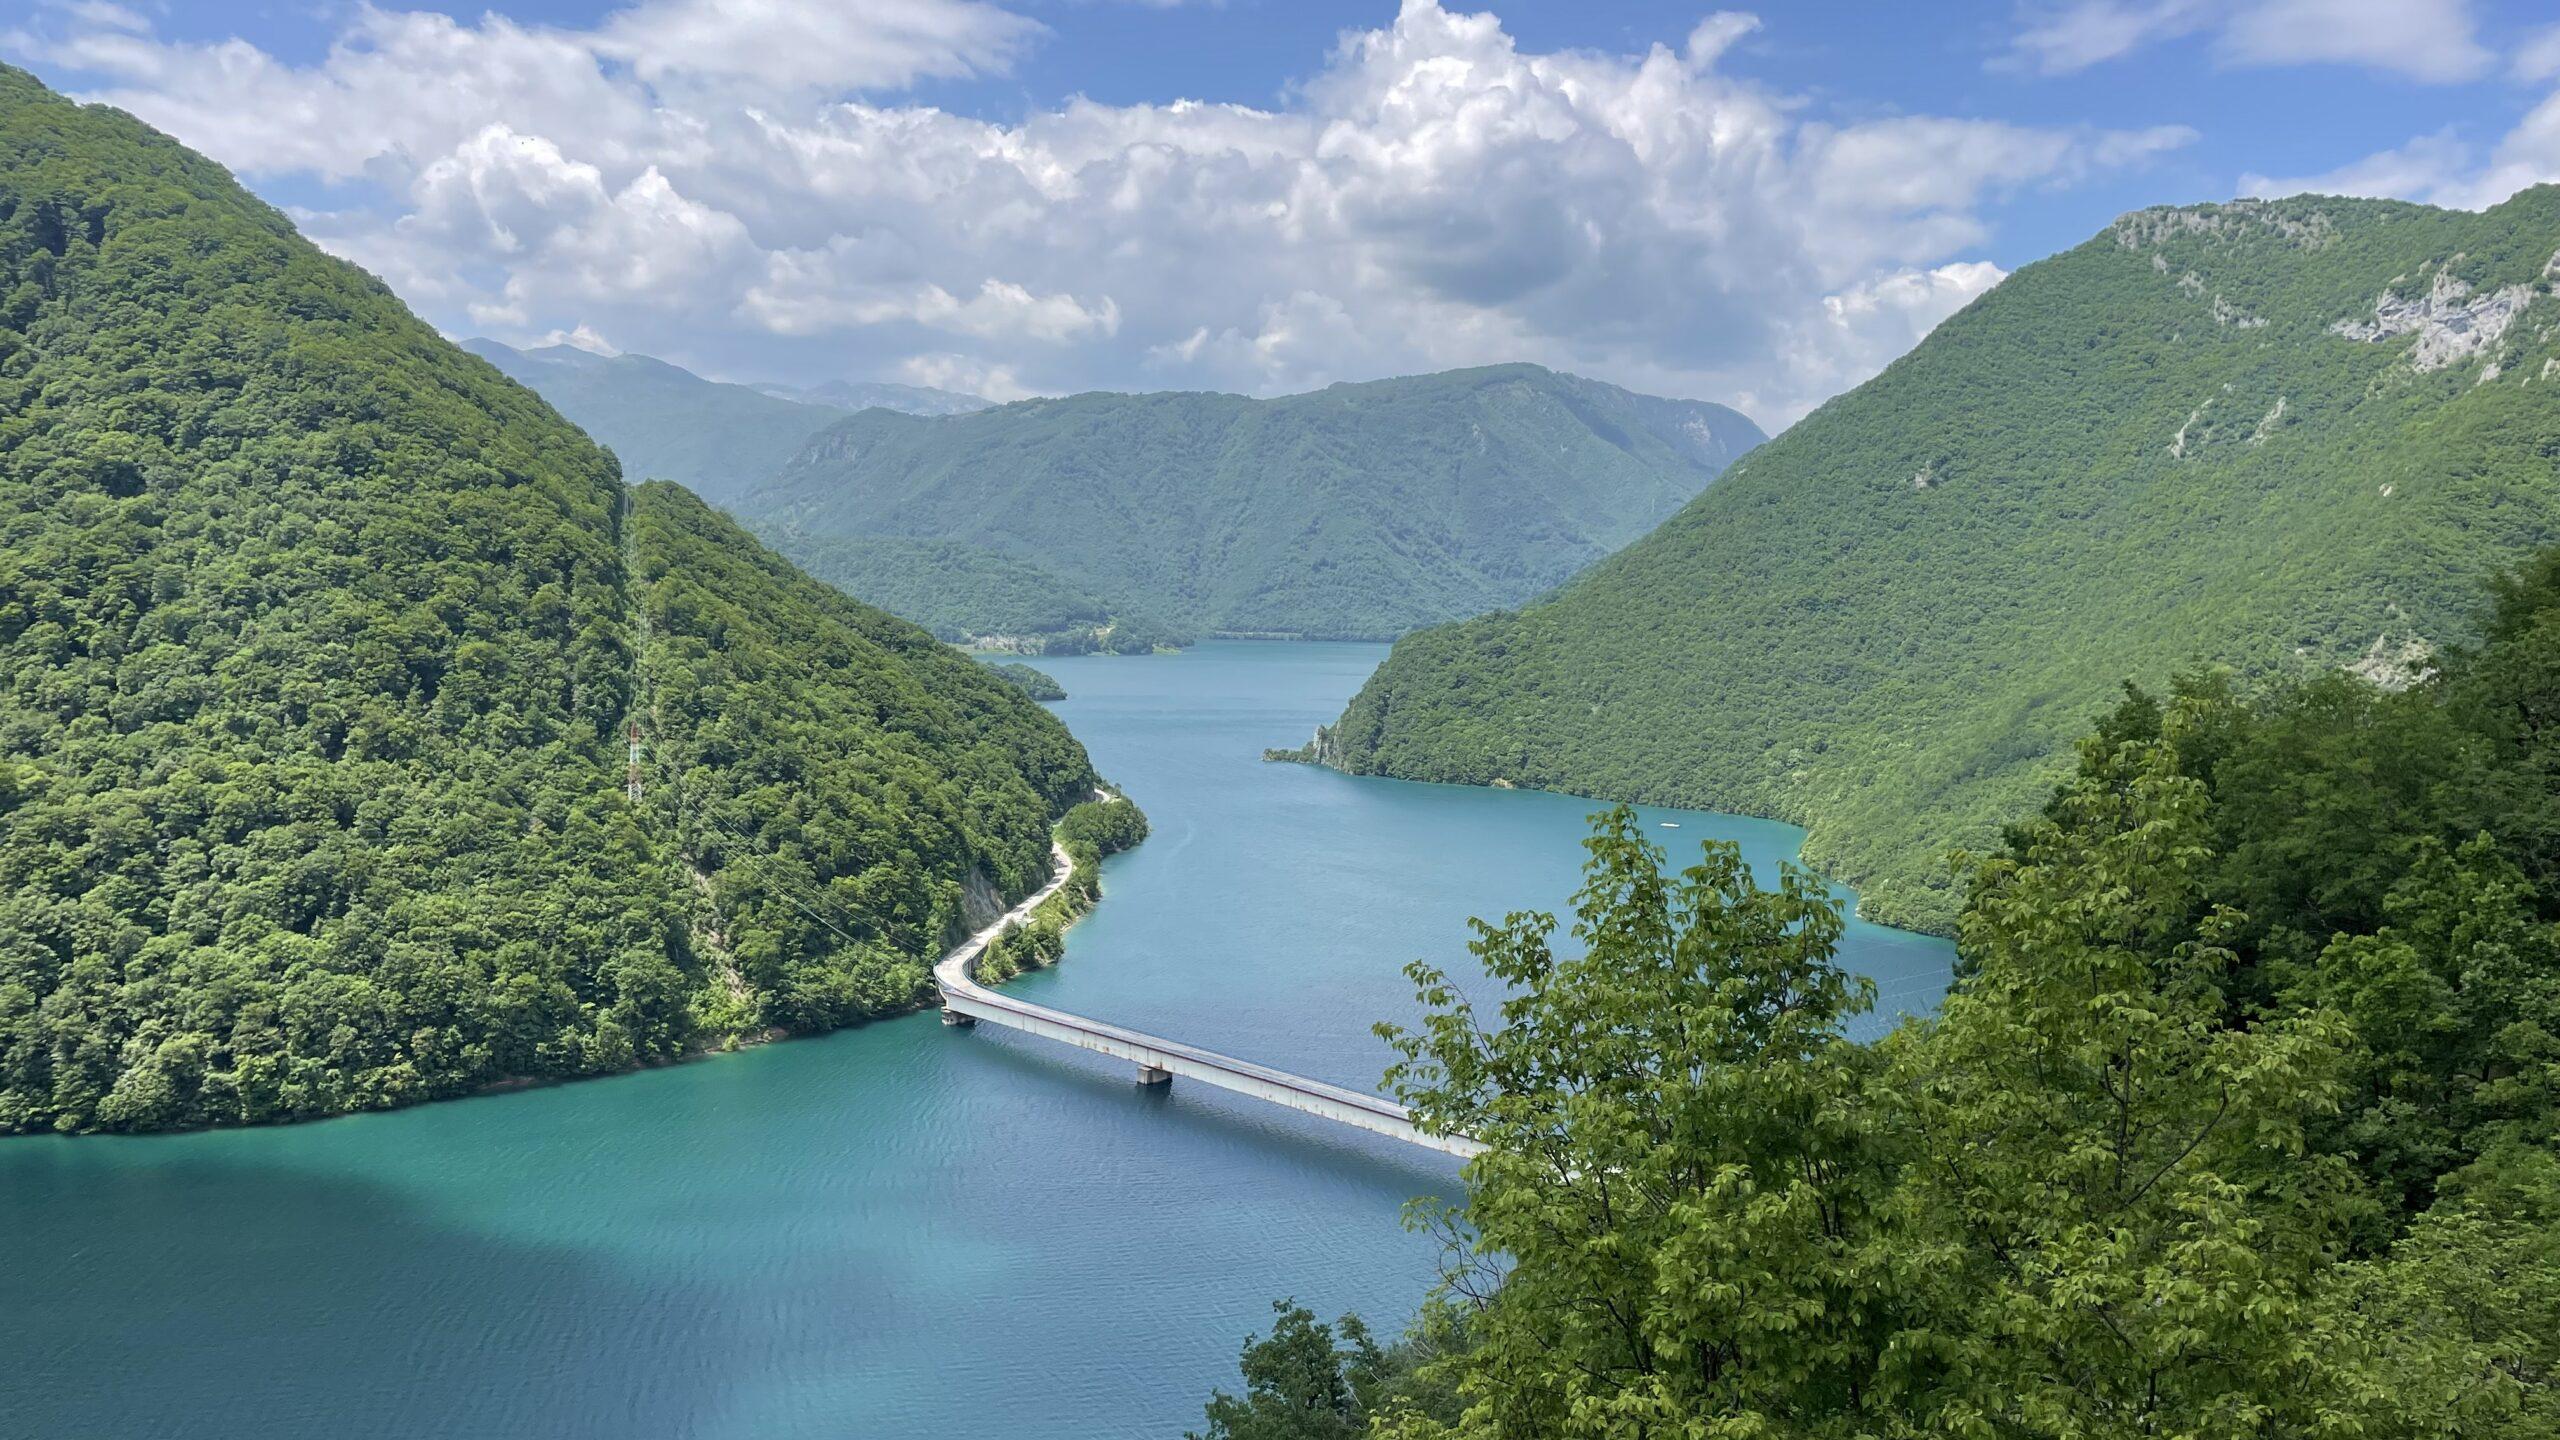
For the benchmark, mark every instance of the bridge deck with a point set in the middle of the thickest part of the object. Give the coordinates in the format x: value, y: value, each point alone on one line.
x: 1158, y: 1057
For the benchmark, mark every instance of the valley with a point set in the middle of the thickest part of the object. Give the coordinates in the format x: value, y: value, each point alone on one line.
x: 1162, y: 587
x: 762, y: 1243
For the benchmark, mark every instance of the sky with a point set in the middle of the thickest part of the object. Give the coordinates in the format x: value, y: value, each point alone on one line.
x: 1024, y: 197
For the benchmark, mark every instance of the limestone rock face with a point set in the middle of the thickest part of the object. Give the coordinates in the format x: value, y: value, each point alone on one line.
x: 2452, y: 324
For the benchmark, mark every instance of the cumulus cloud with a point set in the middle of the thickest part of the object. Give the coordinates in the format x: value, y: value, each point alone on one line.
x: 2441, y: 168
x: 2431, y: 40
x: 794, y: 43
x: 581, y: 338
x: 726, y: 183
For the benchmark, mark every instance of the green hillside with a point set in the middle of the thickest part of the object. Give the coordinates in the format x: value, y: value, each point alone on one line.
x: 667, y: 423
x: 1359, y: 511
x: 318, y: 639
x: 969, y: 595
x: 1036, y: 683
x: 2282, y: 436
x: 721, y: 441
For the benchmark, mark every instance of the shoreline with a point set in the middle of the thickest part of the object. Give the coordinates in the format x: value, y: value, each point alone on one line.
x: 972, y: 946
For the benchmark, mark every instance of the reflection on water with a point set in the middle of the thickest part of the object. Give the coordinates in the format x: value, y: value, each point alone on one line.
x: 897, y: 1231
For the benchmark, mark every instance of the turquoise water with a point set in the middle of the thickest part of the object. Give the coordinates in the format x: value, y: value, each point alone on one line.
x: 897, y: 1231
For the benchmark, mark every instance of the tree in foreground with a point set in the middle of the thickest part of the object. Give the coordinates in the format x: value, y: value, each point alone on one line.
x: 2242, y: 1119
x: 2110, y: 1220
x: 1672, y: 1218
x: 1304, y: 1381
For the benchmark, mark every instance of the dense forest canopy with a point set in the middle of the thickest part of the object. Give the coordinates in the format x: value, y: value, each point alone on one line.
x: 1030, y: 680
x: 971, y: 595
x: 318, y: 644
x: 2289, y: 436
x: 2242, y: 1119
x: 1354, y: 512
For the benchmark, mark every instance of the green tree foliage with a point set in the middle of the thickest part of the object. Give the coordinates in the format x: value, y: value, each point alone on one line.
x: 1359, y: 511
x: 1102, y: 827
x: 839, y: 857
x: 2241, y: 1120
x: 971, y: 595
x: 1088, y: 832
x: 2111, y: 1220
x: 317, y: 644
x: 1678, y: 1174
x: 1891, y: 623
x: 1310, y: 1381
x: 1035, y: 683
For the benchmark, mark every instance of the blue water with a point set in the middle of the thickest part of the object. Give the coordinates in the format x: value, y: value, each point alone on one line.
x: 896, y: 1231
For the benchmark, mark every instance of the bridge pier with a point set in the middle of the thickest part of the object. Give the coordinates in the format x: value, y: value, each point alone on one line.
x: 954, y: 1017
x: 1150, y: 1075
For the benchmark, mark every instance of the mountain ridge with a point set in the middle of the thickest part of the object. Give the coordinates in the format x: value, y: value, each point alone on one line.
x: 318, y: 644
x: 714, y: 437
x: 1353, y: 512
x: 2203, y: 436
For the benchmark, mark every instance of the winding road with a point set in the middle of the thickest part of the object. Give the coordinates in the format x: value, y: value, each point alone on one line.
x: 966, y: 1002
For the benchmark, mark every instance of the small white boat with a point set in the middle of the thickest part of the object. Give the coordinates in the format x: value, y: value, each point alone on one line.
x: 1668, y: 824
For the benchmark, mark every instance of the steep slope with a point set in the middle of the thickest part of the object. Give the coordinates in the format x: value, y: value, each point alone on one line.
x: 1355, y: 511
x: 317, y: 643
x: 664, y: 422
x: 845, y: 783
x: 720, y: 441
x: 851, y: 395
x: 2276, y: 436
x: 975, y: 596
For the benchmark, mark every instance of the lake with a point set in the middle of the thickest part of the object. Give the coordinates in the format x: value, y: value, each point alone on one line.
x: 900, y: 1230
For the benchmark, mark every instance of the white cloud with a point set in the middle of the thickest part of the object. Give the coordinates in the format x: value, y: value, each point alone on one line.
x: 797, y: 43
x: 945, y: 371
x: 720, y: 183
x: 2538, y: 57
x: 2422, y: 39
x: 581, y: 338
x: 2430, y: 40
x: 2440, y: 169
x: 2067, y: 38
x: 1860, y: 330
x: 2421, y: 169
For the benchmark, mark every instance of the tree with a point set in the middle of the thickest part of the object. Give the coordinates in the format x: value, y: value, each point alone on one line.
x: 2112, y: 1221
x: 1301, y: 1382
x: 1671, y: 1225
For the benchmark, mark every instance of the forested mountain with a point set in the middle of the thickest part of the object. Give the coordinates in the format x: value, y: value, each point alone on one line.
x: 2286, y: 436
x: 1358, y: 511
x: 721, y: 441
x: 969, y: 595
x: 2243, y: 1117
x: 849, y: 395
x: 664, y: 422
x: 318, y: 642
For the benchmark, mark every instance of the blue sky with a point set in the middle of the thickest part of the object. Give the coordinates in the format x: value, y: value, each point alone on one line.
x: 1002, y: 195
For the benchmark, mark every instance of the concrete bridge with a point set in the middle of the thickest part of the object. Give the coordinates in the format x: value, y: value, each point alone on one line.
x: 966, y: 1002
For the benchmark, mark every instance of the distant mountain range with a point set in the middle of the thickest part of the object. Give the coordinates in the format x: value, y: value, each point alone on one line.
x: 878, y: 395
x: 666, y: 423
x: 2281, y: 436
x: 1124, y: 522
x: 1357, y: 511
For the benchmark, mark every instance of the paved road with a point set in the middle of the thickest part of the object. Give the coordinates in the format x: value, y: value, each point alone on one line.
x: 1159, y: 1059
